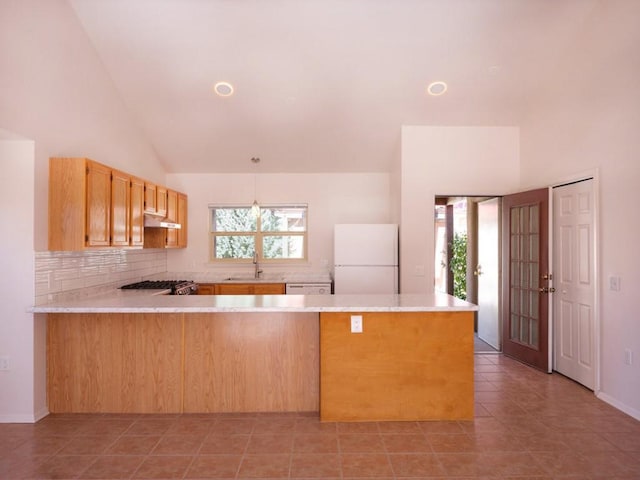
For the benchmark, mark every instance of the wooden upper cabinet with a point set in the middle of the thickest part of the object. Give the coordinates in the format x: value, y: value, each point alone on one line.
x: 98, y: 206
x: 161, y: 200
x: 172, y: 216
x: 93, y: 205
x: 172, y: 206
x: 182, y: 220
x: 150, y: 197
x: 137, y: 212
x: 120, y: 208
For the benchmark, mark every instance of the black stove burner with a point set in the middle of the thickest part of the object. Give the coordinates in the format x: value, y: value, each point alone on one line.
x: 177, y: 287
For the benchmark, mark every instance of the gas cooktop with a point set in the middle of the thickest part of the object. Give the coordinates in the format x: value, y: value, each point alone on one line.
x: 177, y: 287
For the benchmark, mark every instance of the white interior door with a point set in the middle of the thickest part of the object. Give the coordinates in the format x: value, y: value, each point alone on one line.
x: 573, y: 267
x: 488, y: 271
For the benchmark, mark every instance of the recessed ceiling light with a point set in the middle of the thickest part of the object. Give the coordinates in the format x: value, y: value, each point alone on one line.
x: 436, y: 88
x: 223, y: 89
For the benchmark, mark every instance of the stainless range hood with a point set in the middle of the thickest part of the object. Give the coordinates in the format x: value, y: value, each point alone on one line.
x: 158, y: 221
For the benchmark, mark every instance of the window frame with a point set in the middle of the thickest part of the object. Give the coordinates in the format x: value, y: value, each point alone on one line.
x: 258, y: 235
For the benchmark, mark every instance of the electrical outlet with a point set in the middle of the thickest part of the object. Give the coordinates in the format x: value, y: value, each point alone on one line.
x: 356, y: 323
x: 4, y: 363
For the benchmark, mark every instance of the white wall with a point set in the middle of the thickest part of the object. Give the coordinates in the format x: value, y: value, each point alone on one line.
x: 19, y: 401
x: 439, y: 160
x: 332, y: 198
x: 588, y: 118
x: 68, y: 111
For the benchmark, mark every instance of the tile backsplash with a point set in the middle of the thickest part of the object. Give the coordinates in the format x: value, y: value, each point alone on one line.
x: 63, y: 275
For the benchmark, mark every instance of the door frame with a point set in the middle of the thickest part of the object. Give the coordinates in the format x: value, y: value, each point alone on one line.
x: 593, y: 175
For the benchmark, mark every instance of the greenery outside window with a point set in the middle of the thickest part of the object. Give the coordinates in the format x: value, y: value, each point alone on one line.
x: 277, y: 233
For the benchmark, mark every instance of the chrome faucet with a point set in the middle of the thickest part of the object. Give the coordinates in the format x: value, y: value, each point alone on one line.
x: 257, y: 270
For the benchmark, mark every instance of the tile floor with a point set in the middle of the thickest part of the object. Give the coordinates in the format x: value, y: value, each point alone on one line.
x: 528, y: 425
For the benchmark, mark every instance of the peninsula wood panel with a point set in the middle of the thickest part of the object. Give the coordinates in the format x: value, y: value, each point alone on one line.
x: 404, y: 366
x: 114, y: 363
x: 251, y: 362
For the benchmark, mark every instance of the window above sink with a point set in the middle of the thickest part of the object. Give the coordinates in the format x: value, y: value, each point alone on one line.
x: 276, y: 233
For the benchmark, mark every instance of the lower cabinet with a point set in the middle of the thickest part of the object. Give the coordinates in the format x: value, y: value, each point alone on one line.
x: 260, y: 288
x: 206, y: 289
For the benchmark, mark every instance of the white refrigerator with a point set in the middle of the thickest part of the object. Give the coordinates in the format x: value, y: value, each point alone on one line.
x: 365, y: 258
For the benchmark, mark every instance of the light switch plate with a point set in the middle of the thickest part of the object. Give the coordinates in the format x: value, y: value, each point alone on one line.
x: 614, y: 283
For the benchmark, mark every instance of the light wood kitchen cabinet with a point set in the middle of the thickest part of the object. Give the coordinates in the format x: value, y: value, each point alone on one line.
x: 257, y: 288
x: 120, y: 208
x: 170, y: 237
x: 98, y: 205
x: 161, y: 200
x: 177, y: 237
x: 182, y: 220
x: 206, y: 289
x: 250, y: 288
x: 172, y: 216
x: 92, y: 205
x: 137, y: 212
x: 150, y: 198
x: 79, y: 204
x: 155, y: 199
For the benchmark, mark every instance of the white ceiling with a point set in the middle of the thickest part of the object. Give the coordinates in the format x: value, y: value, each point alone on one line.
x: 321, y: 85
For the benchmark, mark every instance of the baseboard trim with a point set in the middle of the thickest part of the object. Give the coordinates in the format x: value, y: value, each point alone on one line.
x: 619, y: 405
x: 24, y: 418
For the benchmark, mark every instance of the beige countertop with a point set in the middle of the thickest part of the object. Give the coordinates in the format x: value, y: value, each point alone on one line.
x: 141, y: 301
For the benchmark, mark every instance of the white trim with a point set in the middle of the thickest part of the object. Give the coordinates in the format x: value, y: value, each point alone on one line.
x: 620, y: 406
x: 24, y: 418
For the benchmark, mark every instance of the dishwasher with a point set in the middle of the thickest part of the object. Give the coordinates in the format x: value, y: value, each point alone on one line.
x: 308, y: 288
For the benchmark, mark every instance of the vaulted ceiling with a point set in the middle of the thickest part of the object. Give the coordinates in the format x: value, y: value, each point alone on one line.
x: 321, y: 85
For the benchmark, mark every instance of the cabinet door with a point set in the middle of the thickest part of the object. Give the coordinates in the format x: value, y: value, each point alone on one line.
x: 172, y: 216
x: 67, y: 204
x: 234, y: 289
x: 250, y: 288
x: 206, y: 289
x: 182, y: 220
x: 98, y: 205
x: 150, y: 197
x: 161, y: 200
x: 268, y: 288
x: 120, y: 208
x: 137, y: 212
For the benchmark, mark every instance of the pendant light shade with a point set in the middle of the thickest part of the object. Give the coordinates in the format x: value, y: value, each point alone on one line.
x: 255, y: 208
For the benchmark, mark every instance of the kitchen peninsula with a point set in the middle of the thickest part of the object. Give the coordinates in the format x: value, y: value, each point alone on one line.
x: 133, y: 352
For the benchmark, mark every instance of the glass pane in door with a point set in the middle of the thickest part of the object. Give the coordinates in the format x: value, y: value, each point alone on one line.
x: 524, y: 274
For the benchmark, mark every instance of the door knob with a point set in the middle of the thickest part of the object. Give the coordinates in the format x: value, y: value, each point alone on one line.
x: 478, y: 270
x: 544, y: 290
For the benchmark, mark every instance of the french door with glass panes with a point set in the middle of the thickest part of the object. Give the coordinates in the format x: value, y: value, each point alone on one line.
x: 526, y: 277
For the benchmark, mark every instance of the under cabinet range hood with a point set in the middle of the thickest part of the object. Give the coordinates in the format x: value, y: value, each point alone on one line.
x: 158, y: 221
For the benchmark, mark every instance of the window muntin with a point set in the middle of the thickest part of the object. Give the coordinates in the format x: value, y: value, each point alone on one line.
x: 278, y: 233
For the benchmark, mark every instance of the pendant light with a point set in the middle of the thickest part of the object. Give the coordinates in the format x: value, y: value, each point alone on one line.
x: 255, y: 207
